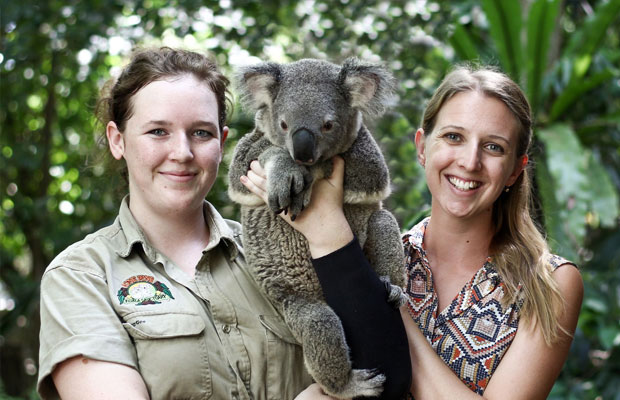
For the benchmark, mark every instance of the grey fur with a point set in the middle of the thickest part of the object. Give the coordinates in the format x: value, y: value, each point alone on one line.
x: 322, y: 107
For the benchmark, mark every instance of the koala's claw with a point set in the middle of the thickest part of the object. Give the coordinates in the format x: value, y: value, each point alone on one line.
x: 363, y: 382
x: 395, y: 294
x: 288, y: 189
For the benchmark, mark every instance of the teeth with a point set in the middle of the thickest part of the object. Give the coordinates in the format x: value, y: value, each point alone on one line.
x: 463, y: 185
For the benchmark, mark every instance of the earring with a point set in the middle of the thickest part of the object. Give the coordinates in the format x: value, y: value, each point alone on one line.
x: 507, y: 189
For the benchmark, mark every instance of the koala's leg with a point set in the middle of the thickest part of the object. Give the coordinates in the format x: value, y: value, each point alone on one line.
x: 326, y: 353
x: 288, y: 183
x: 384, y: 250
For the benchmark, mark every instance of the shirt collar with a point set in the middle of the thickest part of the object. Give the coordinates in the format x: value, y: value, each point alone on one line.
x: 415, y: 237
x: 219, y: 232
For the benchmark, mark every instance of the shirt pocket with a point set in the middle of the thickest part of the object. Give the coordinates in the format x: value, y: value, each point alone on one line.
x: 286, y: 374
x: 174, y: 342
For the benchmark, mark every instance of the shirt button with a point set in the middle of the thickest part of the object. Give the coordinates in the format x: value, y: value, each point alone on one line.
x: 226, y: 328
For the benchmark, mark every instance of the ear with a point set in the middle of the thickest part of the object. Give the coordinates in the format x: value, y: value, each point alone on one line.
x: 370, y: 86
x: 257, y: 84
x: 419, y: 146
x: 116, y: 141
x: 521, y: 163
x: 223, y: 137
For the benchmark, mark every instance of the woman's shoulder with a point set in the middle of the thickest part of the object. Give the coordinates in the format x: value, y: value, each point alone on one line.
x: 567, y: 277
x: 556, y: 261
x: 415, y: 235
x: 84, y: 254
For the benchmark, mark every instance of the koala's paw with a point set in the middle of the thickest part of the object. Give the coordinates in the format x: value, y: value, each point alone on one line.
x: 364, y: 382
x: 299, y: 202
x: 395, y: 294
x: 289, y: 191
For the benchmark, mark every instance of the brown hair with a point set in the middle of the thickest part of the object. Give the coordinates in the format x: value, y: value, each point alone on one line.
x: 518, y: 248
x: 149, y: 65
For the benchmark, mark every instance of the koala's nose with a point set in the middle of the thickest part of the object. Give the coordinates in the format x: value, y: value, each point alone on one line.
x: 303, y: 146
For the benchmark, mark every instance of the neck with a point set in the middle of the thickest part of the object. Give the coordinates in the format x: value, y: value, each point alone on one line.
x: 458, y: 242
x: 179, y: 236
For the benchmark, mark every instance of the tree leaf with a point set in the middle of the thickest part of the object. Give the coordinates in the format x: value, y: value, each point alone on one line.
x: 583, y: 45
x: 603, y: 196
x: 565, y: 206
x: 575, y: 88
x: 505, y: 28
x: 463, y: 44
x: 559, y: 241
x: 540, y: 24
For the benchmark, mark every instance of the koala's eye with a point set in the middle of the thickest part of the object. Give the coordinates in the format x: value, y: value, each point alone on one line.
x: 283, y: 125
x: 328, y: 125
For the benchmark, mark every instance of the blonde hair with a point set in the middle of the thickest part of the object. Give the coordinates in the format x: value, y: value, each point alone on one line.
x: 519, y: 250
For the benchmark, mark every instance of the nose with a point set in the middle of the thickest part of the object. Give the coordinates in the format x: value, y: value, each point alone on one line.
x: 181, y: 148
x: 470, y: 157
x: 303, y: 146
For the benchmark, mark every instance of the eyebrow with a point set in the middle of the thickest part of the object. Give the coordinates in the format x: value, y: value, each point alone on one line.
x: 498, y: 137
x: 199, y: 123
x: 457, y: 127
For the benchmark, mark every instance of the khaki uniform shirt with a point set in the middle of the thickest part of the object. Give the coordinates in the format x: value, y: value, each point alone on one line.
x: 113, y: 297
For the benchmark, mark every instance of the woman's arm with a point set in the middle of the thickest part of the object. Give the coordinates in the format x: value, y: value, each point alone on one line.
x: 314, y: 392
x: 528, y: 369
x: 83, y: 378
x: 373, y: 328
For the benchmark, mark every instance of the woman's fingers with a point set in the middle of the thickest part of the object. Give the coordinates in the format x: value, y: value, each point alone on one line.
x: 337, y: 177
x: 255, y: 180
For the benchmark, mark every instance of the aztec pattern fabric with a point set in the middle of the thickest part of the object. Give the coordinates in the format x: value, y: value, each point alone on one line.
x: 472, y: 334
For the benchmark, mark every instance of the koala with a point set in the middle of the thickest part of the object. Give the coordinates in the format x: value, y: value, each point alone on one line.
x: 306, y: 112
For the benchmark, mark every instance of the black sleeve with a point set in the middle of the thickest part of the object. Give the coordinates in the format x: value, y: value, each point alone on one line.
x: 374, y: 329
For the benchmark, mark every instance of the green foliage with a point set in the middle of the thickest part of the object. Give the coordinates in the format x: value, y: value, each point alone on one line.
x: 55, y: 55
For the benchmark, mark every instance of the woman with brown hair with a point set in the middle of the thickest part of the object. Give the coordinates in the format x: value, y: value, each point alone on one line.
x: 159, y: 304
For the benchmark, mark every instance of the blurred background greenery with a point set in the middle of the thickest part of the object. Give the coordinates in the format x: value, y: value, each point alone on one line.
x: 55, y: 55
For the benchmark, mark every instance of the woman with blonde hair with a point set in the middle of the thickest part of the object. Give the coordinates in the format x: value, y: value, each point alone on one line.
x: 491, y: 311
x: 496, y: 306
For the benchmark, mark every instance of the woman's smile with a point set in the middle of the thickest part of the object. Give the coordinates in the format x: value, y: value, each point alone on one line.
x: 464, y: 185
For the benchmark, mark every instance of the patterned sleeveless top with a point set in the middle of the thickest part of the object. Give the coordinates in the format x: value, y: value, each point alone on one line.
x: 472, y: 334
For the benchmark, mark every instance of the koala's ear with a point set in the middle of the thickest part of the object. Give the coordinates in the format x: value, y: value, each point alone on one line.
x: 370, y: 86
x: 257, y: 84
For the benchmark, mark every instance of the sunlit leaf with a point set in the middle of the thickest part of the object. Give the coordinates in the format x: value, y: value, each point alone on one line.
x: 583, y: 44
x: 566, y: 163
x: 595, y: 304
x: 608, y: 335
x: 604, y: 200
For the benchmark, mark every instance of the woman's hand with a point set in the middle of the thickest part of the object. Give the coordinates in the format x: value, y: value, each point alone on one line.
x: 313, y: 392
x: 323, y: 222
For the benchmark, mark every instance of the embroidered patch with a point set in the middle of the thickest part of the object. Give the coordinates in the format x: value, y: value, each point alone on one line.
x: 143, y: 290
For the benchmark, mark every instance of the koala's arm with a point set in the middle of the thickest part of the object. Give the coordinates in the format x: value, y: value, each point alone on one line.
x: 248, y: 149
x: 367, y: 178
x: 289, y: 184
x: 374, y: 328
